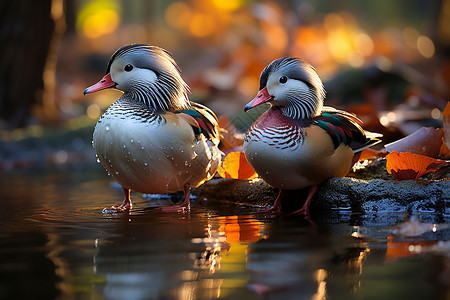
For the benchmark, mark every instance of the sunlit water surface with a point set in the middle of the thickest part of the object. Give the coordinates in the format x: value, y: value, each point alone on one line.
x: 56, y: 244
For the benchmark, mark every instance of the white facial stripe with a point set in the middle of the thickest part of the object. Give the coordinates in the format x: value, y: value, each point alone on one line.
x: 122, y: 77
x: 295, y: 97
x: 279, y: 90
x: 144, y: 75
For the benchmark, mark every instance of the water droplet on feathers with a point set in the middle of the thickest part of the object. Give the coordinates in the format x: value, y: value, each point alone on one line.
x: 107, y: 128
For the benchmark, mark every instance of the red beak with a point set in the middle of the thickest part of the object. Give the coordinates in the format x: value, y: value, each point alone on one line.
x: 105, y: 83
x: 262, y: 97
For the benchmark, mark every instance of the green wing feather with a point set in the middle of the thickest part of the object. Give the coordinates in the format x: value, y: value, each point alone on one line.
x: 345, y: 128
x: 208, y: 124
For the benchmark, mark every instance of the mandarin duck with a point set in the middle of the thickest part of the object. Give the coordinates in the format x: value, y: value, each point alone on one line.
x: 297, y: 142
x: 153, y: 139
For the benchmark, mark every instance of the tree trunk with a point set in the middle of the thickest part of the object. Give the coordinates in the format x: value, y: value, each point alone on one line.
x: 26, y: 29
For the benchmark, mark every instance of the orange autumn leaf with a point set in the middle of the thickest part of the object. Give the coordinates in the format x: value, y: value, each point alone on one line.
x: 370, y: 153
x: 236, y: 166
x: 444, y: 152
x: 409, y: 166
x: 231, y: 139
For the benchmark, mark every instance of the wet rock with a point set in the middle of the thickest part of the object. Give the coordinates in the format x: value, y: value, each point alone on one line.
x: 346, y: 194
x: 379, y: 195
x: 252, y: 192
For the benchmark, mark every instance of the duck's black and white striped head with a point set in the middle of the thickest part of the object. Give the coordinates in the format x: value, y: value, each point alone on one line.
x: 147, y: 74
x: 293, y: 85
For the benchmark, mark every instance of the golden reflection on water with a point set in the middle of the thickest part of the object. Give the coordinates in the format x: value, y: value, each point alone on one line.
x: 320, y: 275
x: 210, y: 263
x: 226, y: 249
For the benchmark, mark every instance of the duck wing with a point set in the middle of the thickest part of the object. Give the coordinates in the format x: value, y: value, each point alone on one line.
x: 344, y: 127
x: 203, y: 121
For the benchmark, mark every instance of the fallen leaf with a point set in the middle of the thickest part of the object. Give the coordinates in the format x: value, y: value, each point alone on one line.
x: 425, y: 141
x: 236, y: 166
x: 444, y: 153
x: 409, y: 166
x: 231, y: 139
x: 370, y: 153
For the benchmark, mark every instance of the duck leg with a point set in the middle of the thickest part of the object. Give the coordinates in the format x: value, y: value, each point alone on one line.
x: 126, y: 204
x: 276, y: 207
x: 185, y: 206
x: 305, y: 208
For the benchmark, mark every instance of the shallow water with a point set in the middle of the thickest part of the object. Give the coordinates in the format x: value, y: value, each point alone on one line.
x: 56, y: 244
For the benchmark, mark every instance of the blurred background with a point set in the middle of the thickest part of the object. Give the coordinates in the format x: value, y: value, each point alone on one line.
x: 387, y: 61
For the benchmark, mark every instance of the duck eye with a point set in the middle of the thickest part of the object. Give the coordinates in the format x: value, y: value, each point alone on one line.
x: 283, y: 79
x: 128, y: 68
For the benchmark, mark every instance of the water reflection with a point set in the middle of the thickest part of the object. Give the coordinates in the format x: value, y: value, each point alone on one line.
x: 174, y: 256
x: 61, y: 247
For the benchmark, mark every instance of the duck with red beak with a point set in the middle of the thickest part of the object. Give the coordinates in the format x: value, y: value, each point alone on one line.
x: 153, y: 139
x: 298, y: 143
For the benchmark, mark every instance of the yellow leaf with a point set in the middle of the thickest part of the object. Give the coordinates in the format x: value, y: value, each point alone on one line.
x: 236, y: 166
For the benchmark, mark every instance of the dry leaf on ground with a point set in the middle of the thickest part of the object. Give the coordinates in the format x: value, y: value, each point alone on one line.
x: 409, y: 166
x: 231, y: 139
x: 236, y: 166
x: 425, y: 141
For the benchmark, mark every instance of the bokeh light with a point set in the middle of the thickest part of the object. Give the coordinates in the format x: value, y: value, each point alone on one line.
x: 425, y: 46
x: 98, y: 18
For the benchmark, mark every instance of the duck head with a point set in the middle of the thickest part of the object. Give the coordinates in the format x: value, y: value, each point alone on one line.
x: 292, y: 85
x: 147, y: 74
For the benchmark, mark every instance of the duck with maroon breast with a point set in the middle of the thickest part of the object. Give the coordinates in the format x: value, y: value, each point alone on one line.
x: 298, y: 143
x: 153, y: 139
